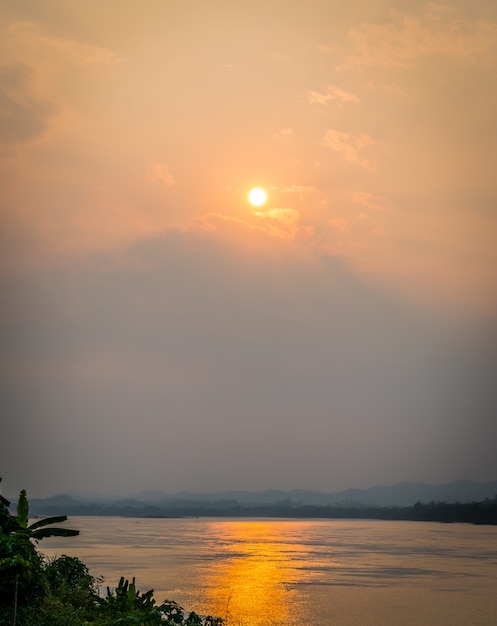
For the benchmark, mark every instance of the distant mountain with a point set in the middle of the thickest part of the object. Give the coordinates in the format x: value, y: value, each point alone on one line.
x: 407, y: 494
x: 401, y: 494
x: 154, y: 503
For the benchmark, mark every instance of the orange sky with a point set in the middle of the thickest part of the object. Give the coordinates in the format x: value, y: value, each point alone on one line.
x: 130, y: 135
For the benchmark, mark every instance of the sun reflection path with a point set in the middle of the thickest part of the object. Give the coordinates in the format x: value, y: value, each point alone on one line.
x: 252, y: 587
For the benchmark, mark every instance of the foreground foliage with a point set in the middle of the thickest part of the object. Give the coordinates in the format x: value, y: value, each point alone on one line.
x: 36, y: 591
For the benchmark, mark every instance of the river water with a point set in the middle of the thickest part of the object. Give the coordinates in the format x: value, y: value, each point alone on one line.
x: 268, y: 572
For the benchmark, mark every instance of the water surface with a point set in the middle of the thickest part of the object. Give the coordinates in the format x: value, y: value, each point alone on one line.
x: 267, y: 572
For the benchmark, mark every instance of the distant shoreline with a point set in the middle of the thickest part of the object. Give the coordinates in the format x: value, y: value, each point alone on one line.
x: 483, y: 512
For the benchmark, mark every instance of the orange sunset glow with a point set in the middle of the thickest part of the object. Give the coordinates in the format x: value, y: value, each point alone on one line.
x: 253, y: 585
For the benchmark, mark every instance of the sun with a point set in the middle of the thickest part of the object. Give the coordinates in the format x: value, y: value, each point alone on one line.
x: 257, y: 196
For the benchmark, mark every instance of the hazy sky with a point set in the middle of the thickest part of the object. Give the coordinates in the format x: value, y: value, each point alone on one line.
x: 158, y: 331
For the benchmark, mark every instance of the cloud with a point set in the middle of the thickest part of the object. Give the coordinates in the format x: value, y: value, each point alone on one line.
x: 439, y: 30
x: 350, y: 147
x: 352, y: 231
x: 341, y: 225
x: 213, y: 221
x: 294, y: 188
x: 159, y: 173
x: 22, y: 116
x: 332, y: 94
x: 282, y: 133
x: 373, y: 202
x: 285, y: 224
x: 280, y: 223
x: 282, y: 215
x: 391, y: 87
x: 264, y: 223
x: 28, y: 90
x: 29, y: 34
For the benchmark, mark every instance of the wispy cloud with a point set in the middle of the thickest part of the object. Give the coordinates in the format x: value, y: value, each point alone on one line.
x: 27, y: 33
x: 350, y: 147
x: 294, y: 188
x: 282, y: 223
x: 440, y: 30
x: 23, y: 117
x: 159, y: 173
x: 340, y: 225
x: 283, y: 215
x: 332, y: 93
x: 391, y: 87
x: 282, y: 133
x: 373, y: 202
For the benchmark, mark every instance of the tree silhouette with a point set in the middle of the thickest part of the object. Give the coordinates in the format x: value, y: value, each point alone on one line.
x: 20, y: 563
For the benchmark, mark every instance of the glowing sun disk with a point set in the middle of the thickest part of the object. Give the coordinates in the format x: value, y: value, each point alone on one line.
x: 257, y: 196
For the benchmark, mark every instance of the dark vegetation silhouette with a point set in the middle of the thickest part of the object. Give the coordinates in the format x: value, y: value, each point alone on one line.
x: 38, y: 591
x: 483, y: 512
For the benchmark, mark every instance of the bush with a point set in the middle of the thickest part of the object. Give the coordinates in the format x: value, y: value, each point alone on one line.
x: 35, y: 591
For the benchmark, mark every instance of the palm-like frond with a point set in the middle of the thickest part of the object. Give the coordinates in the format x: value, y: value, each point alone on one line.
x: 41, y: 533
x: 46, y: 521
x: 38, y: 530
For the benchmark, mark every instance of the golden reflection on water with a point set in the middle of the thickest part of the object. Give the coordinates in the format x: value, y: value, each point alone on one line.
x: 250, y: 587
x: 294, y: 572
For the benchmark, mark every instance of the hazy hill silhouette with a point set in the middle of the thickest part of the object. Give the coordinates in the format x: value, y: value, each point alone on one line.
x: 401, y: 494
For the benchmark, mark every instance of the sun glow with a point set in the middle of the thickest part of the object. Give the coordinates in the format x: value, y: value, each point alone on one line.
x: 250, y: 584
x: 257, y: 196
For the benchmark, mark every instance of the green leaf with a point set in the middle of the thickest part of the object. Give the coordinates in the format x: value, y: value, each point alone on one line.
x: 4, y: 501
x: 23, y: 510
x: 132, y: 591
x: 46, y: 521
x: 53, y: 532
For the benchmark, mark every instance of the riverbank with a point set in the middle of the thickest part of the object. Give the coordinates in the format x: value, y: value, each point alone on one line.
x: 484, y: 512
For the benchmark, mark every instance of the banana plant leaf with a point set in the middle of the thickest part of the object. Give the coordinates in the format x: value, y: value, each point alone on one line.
x: 4, y: 501
x: 23, y: 510
x: 46, y: 521
x: 41, y: 533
